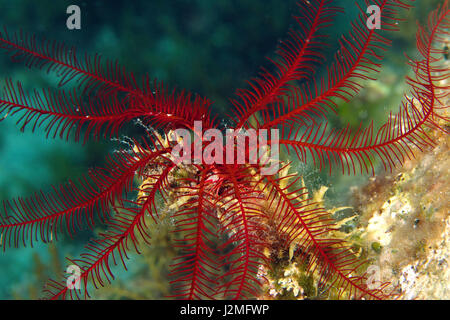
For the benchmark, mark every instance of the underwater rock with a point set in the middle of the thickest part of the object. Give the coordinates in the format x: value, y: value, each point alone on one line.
x: 405, y: 222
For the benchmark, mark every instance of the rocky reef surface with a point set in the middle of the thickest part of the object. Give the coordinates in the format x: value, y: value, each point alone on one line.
x: 405, y: 222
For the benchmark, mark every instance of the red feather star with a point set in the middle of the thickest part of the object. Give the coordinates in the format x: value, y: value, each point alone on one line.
x: 234, y: 205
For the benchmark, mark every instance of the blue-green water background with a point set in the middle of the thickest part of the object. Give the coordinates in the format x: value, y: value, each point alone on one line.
x: 209, y: 47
